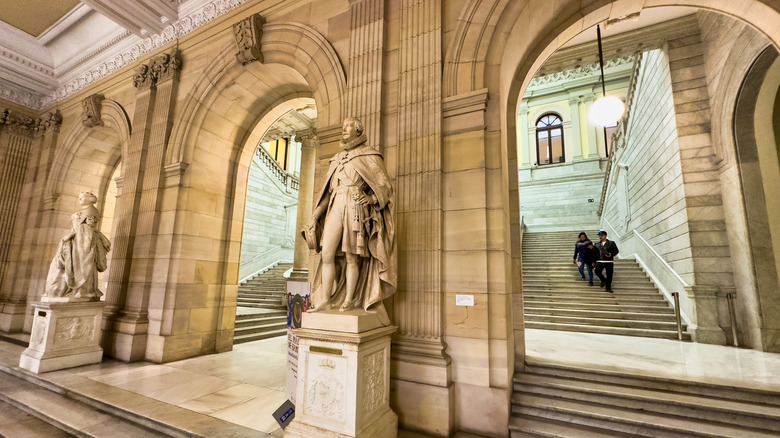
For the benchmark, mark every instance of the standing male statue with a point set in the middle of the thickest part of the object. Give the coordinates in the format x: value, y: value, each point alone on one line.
x: 80, y: 256
x: 352, y: 227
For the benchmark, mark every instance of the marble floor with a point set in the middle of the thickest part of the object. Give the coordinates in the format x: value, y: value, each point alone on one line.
x: 688, y: 361
x: 246, y: 385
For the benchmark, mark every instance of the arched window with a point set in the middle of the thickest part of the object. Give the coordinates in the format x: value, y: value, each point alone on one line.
x: 549, y: 139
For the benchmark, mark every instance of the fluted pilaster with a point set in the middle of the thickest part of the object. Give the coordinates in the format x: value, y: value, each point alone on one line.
x: 364, y: 86
x: 11, y: 183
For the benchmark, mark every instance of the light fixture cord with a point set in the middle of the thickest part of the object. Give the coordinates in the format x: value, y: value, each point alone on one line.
x: 603, y: 87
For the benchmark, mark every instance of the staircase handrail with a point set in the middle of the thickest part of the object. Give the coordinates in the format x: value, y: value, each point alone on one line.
x: 286, y: 178
x: 620, y: 136
x: 665, y: 278
x: 257, y: 257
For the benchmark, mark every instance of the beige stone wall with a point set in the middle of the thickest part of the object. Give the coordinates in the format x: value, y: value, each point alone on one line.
x: 646, y: 191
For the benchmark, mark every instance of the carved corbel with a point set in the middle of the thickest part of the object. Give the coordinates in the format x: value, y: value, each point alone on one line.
x: 143, y: 78
x: 92, y: 107
x: 167, y: 65
x: 248, y: 33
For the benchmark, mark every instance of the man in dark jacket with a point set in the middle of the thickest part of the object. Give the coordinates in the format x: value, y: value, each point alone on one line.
x: 607, y: 252
x: 590, y: 258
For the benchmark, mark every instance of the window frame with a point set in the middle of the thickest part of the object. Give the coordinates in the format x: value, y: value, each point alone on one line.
x: 548, y: 129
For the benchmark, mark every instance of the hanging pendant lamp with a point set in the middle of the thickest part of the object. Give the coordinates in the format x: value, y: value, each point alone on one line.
x: 606, y: 110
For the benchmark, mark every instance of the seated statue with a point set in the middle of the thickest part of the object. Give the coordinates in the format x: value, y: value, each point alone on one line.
x: 80, y: 256
x: 352, y: 227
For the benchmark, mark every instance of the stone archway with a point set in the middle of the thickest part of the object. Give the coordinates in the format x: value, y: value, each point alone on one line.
x: 496, y: 48
x: 207, y: 164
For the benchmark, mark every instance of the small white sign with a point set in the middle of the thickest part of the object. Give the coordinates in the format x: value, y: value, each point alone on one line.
x: 464, y: 300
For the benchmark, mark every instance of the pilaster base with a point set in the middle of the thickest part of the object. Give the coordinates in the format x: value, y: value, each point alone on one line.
x: 343, y: 377
x: 125, y: 338
x: 12, y: 317
x: 64, y: 335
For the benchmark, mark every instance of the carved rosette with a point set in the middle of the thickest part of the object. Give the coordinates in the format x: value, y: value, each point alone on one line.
x: 29, y: 126
x: 166, y: 66
x: 92, y: 107
x: 248, y: 33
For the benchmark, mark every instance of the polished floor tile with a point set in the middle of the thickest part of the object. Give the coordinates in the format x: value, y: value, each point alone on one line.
x: 689, y: 361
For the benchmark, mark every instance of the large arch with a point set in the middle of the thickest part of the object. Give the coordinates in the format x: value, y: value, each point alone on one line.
x: 208, y: 160
x: 498, y: 45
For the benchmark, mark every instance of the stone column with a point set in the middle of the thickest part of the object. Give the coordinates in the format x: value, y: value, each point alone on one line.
x: 525, y: 141
x: 364, y: 86
x: 422, y: 369
x: 595, y: 148
x: 123, y: 338
x: 574, y: 141
x: 308, y: 141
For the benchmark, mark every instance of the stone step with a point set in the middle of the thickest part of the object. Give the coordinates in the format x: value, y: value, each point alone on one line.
x: 615, y: 314
x: 611, y: 306
x: 719, y: 409
x: 263, y: 306
x: 593, y: 292
x: 262, y: 313
x: 604, y: 322
x: 525, y: 426
x: 64, y: 414
x: 16, y: 422
x: 605, y: 330
x: 259, y: 336
x: 583, y: 287
x: 260, y: 321
x: 260, y: 329
x: 666, y: 384
x: 580, y: 303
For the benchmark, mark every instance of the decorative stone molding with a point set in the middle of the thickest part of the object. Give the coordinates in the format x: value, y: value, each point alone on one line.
x: 135, y: 48
x: 580, y: 72
x: 143, y: 78
x: 464, y: 112
x: 574, y: 100
x: 166, y: 66
x: 29, y: 126
x: 248, y: 33
x: 92, y: 107
x: 173, y: 174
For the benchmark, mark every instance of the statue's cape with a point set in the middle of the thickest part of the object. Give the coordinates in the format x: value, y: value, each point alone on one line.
x: 378, y: 273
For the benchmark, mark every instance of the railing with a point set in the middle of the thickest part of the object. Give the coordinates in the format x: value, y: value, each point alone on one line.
x: 677, y: 315
x: 620, y: 136
x: 733, y: 318
x: 286, y: 178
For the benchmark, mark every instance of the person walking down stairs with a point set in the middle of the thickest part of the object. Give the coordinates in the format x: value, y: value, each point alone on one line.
x: 607, y: 252
x: 580, y: 248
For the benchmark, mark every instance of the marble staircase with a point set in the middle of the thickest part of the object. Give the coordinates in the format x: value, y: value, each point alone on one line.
x: 556, y: 299
x: 562, y: 402
x: 262, y: 311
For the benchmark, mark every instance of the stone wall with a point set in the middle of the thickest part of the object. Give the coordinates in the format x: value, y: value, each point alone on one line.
x: 269, y: 221
x: 646, y: 190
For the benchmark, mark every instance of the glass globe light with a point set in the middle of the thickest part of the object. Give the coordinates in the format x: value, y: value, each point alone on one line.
x: 606, y: 111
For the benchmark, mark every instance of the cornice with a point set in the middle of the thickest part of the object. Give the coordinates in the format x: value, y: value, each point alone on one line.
x: 129, y: 48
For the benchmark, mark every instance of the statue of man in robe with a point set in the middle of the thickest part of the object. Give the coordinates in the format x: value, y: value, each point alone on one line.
x: 352, y: 227
x: 80, y: 256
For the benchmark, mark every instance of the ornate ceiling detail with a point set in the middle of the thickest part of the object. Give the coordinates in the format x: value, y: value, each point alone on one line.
x: 580, y: 72
x: 37, y: 98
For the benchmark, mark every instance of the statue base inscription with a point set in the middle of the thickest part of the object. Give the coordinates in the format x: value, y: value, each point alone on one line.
x: 343, y: 377
x: 64, y: 335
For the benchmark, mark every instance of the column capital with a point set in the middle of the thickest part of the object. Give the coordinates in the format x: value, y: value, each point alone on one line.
x: 143, y: 79
x: 307, y: 138
x: 574, y: 100
x: 523, y: 110
x: 166, y: 66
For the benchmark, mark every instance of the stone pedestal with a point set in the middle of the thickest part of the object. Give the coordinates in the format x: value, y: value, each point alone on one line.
x: 343, y: 377
x: 64, y: 335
